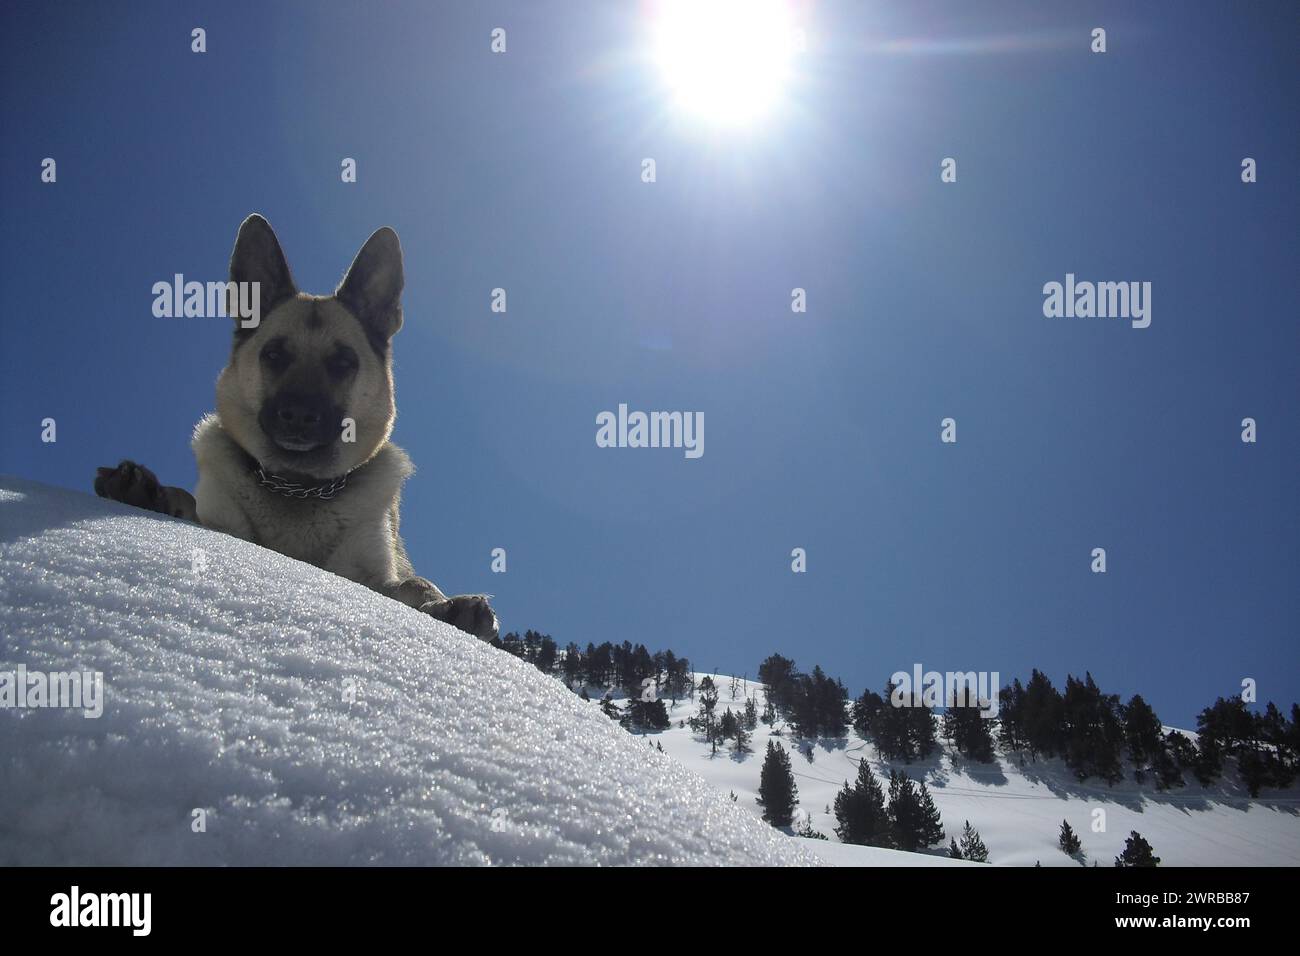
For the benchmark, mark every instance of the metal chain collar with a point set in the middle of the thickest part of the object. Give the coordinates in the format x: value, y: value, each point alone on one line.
x: 292, y: 489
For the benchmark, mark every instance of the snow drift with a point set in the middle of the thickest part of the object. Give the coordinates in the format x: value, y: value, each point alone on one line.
x: 258, y: 710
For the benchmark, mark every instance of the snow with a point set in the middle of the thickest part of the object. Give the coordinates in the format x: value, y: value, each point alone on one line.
x: 835, y: 853
x: 227, y: 669
x: 1017, y: 811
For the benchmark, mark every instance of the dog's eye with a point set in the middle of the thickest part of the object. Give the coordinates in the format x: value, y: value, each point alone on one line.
x: 275, y: 356
x: 341, y: 363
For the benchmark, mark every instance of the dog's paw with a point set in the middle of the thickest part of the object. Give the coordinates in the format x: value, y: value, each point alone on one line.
x: 132, y: 484
x: 469, y: 612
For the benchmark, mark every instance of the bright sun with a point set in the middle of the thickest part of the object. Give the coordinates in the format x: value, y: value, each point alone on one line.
x: 726, y: 61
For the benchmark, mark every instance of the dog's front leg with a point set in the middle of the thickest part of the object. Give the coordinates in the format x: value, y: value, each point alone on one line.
x: 469, y: 612
x: 136, y: 485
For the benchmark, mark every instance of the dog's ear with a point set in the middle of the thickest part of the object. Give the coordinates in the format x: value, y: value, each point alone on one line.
x: 372, y: 289
x: 258, y: 258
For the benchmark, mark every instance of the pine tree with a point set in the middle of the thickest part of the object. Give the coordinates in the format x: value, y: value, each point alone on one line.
x: 972, y: 847
x: 831, y: 700
x: 727, y: 725
x: 954, y: 850
x: 513, y: 644
x: 968, y: 730
x: 864, y: 711
x: 1166, y: 767
x: 652, y: 714
x: 803, y: 713
x: 610, y: 708
x: 1273, y: 732
x: 1227, y: 722
x: 571, y: 664
x: 777, y: 792
x: 532, y: 642
x: 891, y: 726
x: 1069, y: 840
x: 1181, y: 749
x: 931, y: 824
x: 742, y: 737
x: 1292, y: 735
x: 1042, y: 716
x: 860, y: 810
x: 1142, y: 731
x: 1093, y: 730
x: 921, y: 733
x: 704, y: 720
x: 660, y: 719
x: 903, y: 811
x: 1208, y: 763
x: 751, y: 714
x: 913, y: 818
x: 778, y: 674
x: 1011, y: 724
x: 677, y: 680
x: 547, y: 655
x: 1137, y: 852
x: 1254, y: 769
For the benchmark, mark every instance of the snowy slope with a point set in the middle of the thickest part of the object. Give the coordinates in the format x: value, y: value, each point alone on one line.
x: 1018, y: 811
x: 227, y: 693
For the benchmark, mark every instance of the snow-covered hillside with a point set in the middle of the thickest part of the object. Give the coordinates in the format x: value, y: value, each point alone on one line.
x: 1018, y: 811
x: 302, y: 719
x: 313, y: 721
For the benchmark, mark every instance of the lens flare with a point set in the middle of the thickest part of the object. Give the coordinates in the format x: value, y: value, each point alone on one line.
x: 725, y: 61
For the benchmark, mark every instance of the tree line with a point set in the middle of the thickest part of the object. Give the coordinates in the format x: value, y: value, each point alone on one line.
x: 643, y: 677
x: 1094, y: 733
x: 625, y: 666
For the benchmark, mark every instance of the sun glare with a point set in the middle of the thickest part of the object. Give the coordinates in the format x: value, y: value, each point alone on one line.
x: 725, y: 61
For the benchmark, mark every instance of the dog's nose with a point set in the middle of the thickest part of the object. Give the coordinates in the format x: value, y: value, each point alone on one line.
x: 298, y: 413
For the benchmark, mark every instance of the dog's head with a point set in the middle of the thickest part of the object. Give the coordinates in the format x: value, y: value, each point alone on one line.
x: 308, y: 392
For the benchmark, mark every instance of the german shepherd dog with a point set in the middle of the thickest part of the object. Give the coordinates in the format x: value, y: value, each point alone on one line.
x: 297, y: 457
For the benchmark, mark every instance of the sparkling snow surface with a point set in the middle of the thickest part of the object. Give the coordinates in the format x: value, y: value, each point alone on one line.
x: 228, y: 670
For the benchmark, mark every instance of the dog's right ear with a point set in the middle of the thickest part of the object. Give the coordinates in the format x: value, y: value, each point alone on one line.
x: 372, y: 289
x: 258, y: 258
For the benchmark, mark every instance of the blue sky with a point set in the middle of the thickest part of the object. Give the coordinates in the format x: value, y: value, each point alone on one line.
x: 522, y: 171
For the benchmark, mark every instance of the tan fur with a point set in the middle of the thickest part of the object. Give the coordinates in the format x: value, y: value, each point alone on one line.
x: 240, y: 387
x: 355, y: 534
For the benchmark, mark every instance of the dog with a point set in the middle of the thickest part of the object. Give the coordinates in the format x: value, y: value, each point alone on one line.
x: 297, y: 456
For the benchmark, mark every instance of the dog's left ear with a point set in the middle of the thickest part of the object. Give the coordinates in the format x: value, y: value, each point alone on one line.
x: 257, y: 257
x: 372, y: 289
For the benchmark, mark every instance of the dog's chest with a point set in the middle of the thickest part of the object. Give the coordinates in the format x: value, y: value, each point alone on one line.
x: 309, y: 530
